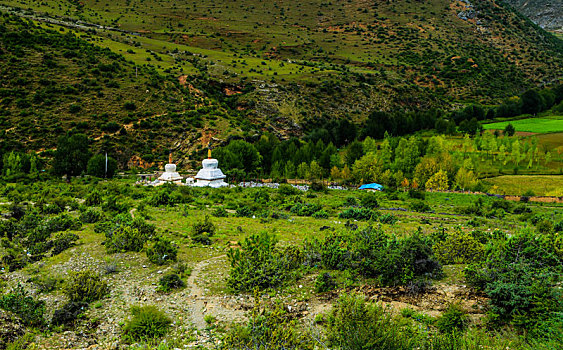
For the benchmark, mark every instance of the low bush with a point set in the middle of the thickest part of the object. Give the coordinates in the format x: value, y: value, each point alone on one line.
x: 148, y: 323
x: 305, y: 209
x: 420, y: 206
x: 321, y: 214
x: 288, y: 190
x: 85, y: 286
x: 358, y: 214
x: 29, y: 310
x: 355, y: 324
x: 258, y: 264
x: 68, y: 313
x: 388, y: 219
x: 369, y: 200
x: 244, y: 211
x: 162, y: 251
x: 415, y: 194
x: 90, y: 216
x: 220, y: 212
x: 123, y: 233
x: 170, y: 281
x: 62, y: 241
x: 93, y: 198
x: 459, y: 247
x: 268, y: 328
x: 324, y: 283
x: 202, y: 231
x: 454, y: 319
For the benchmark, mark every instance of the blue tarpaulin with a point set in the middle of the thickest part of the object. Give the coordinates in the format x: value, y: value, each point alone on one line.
x: 374, y: 186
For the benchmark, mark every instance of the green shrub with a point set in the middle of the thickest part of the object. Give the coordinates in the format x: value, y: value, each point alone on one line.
x: 93, y: 198
x: 124, y: 240
x: 68, y: 313
x: 388, y: 219
x: 257, y: 264
x: 321, y: 214
x: 369, y: 200
x: 90, y: 216
x: 202, y: 231
x: 170, y: 281
x: 220, y: 212
x: 415, y: 194
x: 29, y: 310
x: 305, y: 209
x: 519, y: 276
x: 420, y: 206
x: 358, y: 214
x: 123, y: 233
x: 160, y: 198
x: 288, y: 190
x: 86, y: 286
x: 454, y: 319
x: 162, y: 251
x: 460, y: 247
x: 63, y: 241
x: 244, y: 211
x: 268, y: 328
x: 148, y: 323
x: 324, y: 283
x: 355, y: 324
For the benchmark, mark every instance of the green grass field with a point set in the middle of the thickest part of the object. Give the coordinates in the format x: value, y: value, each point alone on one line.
x: 536, y: 125
x: 518, y: 184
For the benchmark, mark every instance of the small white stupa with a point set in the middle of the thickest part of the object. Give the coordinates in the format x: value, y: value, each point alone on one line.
x: 210, y: 175
x: 170, y: 174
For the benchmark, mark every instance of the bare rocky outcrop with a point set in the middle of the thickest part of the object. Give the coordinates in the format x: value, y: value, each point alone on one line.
x: 548, y: 14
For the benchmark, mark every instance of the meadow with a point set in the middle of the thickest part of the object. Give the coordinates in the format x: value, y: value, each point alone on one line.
x: 541, y: 125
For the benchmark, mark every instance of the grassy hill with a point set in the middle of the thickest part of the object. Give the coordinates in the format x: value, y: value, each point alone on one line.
x: 53, y: 81
x: 264, y: 65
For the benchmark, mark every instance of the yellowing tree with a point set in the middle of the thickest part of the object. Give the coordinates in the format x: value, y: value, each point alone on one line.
x: 438, y: 181
x: 465, y: 178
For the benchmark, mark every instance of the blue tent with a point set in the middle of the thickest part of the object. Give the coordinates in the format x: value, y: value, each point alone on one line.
x: 376, y: 187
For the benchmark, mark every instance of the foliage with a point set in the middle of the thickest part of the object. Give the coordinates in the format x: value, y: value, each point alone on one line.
x: 29, y: 310
x: 321, y: 214
x: 72, y: 155
x: 358, y: 214
x: 85, y: 286
x: 123, y: 233
x: 257, y: 264
x: 202, y: 231
x: 62, y: 241
x: 148, y: 323
x: 369, y: 200
x: 170, y: 281
x: 268, y: 328
x: 305, y: 209
x: 355, y: 324
x: 162, y: 251
x: 518, y: 275
x: 325, y: 282
x: 97, y: 166
x: 68, y: 313
x: 459, y: 247
x: 90, y: 216
x: 420, y: 206
x: 454, y: 319
x: 372, y: 253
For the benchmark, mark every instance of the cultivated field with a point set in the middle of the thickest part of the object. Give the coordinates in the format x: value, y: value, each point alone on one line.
x: 549, y: 124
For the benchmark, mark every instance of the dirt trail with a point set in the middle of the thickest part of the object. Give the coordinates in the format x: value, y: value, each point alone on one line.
x: 199, y: 305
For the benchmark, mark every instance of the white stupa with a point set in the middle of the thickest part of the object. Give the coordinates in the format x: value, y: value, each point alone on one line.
x: 210, y: 175
x: 170, y: 174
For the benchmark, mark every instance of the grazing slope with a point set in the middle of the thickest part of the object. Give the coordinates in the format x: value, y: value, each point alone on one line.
x: 279, y: 66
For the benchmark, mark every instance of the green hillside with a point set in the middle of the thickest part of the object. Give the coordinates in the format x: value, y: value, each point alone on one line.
x: 52, y: 82
x: 264, y: 66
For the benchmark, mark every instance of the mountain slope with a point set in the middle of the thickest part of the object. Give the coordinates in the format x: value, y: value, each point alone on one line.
x: 51, y: 82
x: 282, y: 66
x: 548, y: 14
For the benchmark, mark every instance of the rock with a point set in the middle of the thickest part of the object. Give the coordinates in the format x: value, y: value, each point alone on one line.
x: 11, y: 328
